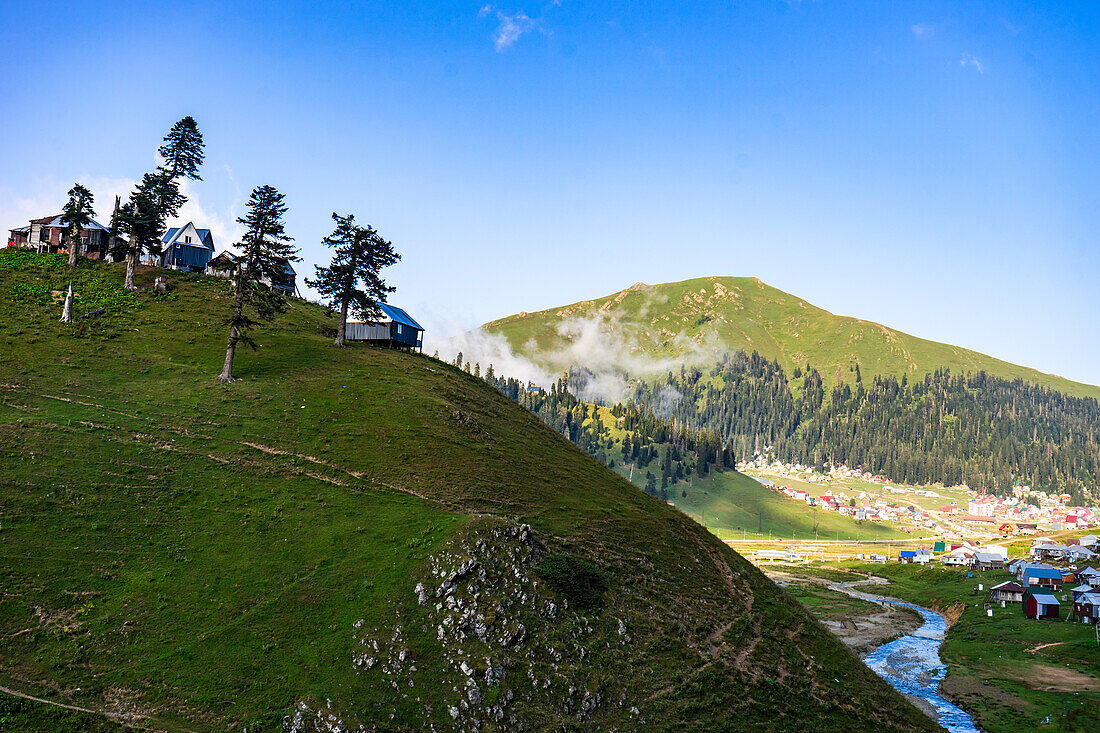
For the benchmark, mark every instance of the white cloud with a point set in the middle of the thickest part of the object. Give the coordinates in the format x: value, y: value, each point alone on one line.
x: 599, y: 347
x: 485, y: 10
x: 922, y: 30
x: 222, y: 222
x: 971, y: 60
x: 511, y: 28
x: 38, y: 197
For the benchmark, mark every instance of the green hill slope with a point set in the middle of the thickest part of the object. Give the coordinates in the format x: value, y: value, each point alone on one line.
x: 737, y: 506
x: 662, y: 325
x: 357, y: 536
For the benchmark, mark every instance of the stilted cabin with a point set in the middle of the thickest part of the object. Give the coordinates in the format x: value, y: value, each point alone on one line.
x: 1007, y: 592
x: 49, y: 233
x: 1040, y: 605
x: 396, y: 329
x: 988, y: 561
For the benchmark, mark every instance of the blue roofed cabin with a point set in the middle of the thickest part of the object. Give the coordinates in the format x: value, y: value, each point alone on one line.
x: 186, y: 248
x: 395, y: 329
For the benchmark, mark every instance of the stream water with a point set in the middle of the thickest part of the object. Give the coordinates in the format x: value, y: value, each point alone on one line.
x: 912, y: 664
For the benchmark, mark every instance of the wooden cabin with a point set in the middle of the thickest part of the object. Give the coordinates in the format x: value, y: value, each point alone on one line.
x: 1040, y: 605
x: 186, y: 248
x: 396, y: 329
x: 1007, y: 592
x: 1086, y: 607
x: 48, y: 234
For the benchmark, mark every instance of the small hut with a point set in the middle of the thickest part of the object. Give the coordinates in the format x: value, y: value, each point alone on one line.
x: 396, y: 329
x: 1040, y: 605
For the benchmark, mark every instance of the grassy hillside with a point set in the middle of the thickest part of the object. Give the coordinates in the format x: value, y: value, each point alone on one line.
x: 736, y: 506
x: 692, y: 320
x: 352, y: 535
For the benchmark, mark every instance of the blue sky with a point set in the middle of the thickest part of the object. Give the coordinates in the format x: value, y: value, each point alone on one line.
x: 933, y: 166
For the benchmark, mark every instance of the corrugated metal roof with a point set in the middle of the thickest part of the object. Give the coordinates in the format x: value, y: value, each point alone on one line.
x: 1045, y: 598
x: 1042, y: 573
x: 57, y: 222
x: 399, y: 316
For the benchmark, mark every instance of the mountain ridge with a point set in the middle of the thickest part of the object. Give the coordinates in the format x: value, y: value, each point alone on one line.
x: 681, y: 321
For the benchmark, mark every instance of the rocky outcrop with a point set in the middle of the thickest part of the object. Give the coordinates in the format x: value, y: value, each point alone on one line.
x: 509, y: 653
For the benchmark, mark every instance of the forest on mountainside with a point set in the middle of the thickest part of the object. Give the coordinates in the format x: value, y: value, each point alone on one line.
x: 987, y: 432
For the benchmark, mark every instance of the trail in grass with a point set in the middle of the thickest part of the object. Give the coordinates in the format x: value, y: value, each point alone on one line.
x: 912, y: 664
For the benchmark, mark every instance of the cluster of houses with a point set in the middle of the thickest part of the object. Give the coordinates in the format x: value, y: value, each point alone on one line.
x: 1040, y: 587
x: 186, y: 247
x: 860, y: 507
x: 1038, y: 584
x: 1011, y: 516
x: 191, y: 248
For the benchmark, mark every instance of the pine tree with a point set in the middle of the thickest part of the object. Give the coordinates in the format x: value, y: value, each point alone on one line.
x: 77, y: 215
x: 351, y: 281
x: 158, y: 196
x: 141, y: 221
x: 265, y: 253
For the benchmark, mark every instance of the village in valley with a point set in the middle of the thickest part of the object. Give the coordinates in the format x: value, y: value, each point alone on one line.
x: 1037, y: 537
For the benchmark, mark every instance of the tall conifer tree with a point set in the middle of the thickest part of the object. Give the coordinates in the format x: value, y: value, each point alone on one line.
x: 158, y: 196
x: 266, y: 251
x: 77, y: 215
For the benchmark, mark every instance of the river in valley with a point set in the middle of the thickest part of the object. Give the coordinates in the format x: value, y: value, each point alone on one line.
x: 912, y: 664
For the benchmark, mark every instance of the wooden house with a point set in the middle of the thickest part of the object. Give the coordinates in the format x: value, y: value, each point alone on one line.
x: 1007, y: 592
x: 48, y: 235
x: 1040, y: 605
x: 1046, y: 578
x: 395, y: 329
x: 225, y: 265
x: 186, y: 248
x: 1089, y: 575
x: 1086, y: 608
x: 988, y: 561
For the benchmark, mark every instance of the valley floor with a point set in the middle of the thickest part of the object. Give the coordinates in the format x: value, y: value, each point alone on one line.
x: 1010, y: 673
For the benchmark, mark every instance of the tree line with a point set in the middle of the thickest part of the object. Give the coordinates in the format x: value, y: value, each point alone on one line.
x: 987, y: 432
x: 670, y: 452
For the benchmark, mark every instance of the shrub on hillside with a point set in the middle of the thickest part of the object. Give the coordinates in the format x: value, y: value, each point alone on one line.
x: 581, y: 582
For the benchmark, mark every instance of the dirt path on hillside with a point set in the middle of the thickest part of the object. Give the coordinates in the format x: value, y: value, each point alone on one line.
x: 25, y: 696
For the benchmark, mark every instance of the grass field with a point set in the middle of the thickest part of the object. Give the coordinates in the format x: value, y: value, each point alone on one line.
x: 735, y: 506
x: 197, y: 556
x: 695, y: 319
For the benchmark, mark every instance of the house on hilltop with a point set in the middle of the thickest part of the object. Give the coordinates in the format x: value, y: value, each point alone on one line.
x: 48, y: 235
x: 186, y: 248
x: 395, y: 329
